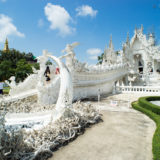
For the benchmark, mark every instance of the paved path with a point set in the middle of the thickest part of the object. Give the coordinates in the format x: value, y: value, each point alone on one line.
x: 122, y: 136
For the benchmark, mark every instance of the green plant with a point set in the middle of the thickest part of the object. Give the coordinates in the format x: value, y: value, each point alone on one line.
x: 16, y: 63
x: 147, y: 108
x: 144, y: 102
x: 6, y: 90
x: 100, y: 58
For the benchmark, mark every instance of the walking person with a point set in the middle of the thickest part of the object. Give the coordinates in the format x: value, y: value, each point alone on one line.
x: 47, y: 74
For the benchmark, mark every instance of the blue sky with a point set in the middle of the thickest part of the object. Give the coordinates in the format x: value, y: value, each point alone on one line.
x: 34, y: 25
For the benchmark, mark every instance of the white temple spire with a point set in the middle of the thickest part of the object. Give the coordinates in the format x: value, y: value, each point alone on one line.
x: 111, y: 44
x: 135, y: 31
x: 105, y: 47
x: 141, y: 28
x: 151, y: 39
x: 127, y: 40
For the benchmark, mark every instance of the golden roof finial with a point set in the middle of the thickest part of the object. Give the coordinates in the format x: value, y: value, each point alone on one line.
x: 6, y: 48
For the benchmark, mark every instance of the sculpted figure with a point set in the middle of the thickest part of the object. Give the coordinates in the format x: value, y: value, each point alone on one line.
x: 42, y: 61
x: 12, y: 84
x: 70, y: 56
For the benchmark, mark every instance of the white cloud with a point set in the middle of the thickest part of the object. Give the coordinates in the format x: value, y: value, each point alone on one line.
x: 59, y: 19
x: 3, y: 0
x: 93, y: 57
x: 40, y: 22
x: 94, y: 51
x: 86, y: 10
x: 7, y: 28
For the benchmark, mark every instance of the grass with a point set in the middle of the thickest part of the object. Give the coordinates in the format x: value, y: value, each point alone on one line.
x: 143, y: 105
x: 6, y: 90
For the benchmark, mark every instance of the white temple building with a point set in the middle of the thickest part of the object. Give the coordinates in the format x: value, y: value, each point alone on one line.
x: 142, y: 56
x: 110, y: 56
x: 135, y: 68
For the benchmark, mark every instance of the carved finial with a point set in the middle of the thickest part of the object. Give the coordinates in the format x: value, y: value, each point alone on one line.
x: 141, y: 28
x: 151, y: 39
x: 45, y: 52
x: 127, y: 41
x: 105, y: 49
x: 135, y: 30
x: 110, y: 43
x: 6, y: 48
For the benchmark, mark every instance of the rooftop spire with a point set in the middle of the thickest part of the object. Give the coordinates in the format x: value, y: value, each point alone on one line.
x: 151, y: 39
x: 110, y: 43
x: 141, y: 28
x: 127, y: 41
x: 105, y: 47
x: 6, y: 48
x: 135, y: 31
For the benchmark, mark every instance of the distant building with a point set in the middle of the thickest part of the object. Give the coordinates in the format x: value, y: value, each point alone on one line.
x: 6, y: 48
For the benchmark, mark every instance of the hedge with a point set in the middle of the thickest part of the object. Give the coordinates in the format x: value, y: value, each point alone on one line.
x: 144, y: 102
x: 148, y: 110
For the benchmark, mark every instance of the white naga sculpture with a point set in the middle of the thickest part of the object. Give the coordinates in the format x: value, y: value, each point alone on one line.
x: 66, y: 88
x: 137, y: 64
x: 87, y: 79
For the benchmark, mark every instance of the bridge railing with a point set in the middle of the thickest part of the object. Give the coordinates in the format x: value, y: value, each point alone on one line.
x: 135, y: 89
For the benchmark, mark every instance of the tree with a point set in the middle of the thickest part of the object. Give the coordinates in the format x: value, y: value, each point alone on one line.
x: 6, y: 70
x: 100, y: 58
x: 16, y: 63
x: 36, y: 66
x: 48, y: 63
x: 23, y: 70
x: 15, y: 56
x: 29, y: 57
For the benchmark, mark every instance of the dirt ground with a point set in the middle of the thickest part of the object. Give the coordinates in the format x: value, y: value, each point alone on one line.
x: 121, y: 136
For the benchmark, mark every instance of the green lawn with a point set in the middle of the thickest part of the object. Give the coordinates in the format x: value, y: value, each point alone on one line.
x: 6, y: 90
x: 143, y: 105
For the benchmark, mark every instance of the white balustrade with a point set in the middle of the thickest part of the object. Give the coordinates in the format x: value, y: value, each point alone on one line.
x: 135, y: 89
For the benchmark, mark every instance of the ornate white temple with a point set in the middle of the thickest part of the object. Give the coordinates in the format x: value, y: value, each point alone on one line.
x: 134, y: 69
x: 138, y: 64
x: 142, y: 56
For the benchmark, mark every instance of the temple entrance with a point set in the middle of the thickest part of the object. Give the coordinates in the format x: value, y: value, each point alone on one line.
x: 139, y: 64
x: 140, y: 67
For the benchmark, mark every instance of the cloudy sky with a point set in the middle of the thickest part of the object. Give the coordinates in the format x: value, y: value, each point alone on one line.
x: 34, y: 25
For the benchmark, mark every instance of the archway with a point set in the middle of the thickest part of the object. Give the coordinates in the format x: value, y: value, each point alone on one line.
x: 139, y: 63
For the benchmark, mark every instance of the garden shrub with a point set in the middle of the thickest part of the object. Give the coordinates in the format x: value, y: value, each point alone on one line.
x: 145, y: 103
x: 150, y: 110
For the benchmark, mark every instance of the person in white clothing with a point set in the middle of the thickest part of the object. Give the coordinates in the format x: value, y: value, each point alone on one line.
x: 1, y: 87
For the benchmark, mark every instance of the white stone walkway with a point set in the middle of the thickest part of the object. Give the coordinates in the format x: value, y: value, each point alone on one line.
x: 124, y: 135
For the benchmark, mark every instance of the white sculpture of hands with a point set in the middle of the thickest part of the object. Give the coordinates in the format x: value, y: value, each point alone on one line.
x: 66, y: 87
